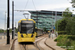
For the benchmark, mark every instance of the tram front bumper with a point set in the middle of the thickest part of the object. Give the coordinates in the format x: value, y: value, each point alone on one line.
x: 26, y: 40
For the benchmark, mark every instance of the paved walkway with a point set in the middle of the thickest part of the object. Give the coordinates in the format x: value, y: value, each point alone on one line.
x: 3, y: 45
x: 50, y: 42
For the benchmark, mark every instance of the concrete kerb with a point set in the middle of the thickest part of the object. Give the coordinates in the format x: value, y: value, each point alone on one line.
x: 48, y: 45
x: 40, y: 48
x: 11, y: 46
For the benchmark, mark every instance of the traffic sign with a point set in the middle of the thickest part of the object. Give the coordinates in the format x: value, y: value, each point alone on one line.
x: 53, y: 27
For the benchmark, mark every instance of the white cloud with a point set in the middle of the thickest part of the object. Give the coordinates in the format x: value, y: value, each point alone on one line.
x: 54, y: 6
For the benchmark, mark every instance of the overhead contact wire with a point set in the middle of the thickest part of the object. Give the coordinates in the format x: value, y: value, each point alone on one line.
x: 33, y: 4
x: 26, y: 4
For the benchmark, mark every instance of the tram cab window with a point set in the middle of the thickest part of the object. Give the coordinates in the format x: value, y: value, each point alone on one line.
x: 27, y: 27
x: 35, y: 30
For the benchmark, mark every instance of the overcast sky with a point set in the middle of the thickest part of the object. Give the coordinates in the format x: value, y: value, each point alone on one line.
x: 51, y: 5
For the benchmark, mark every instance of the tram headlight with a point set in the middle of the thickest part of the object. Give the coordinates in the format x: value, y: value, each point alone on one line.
x: 21, y: 35
x: 32, y: 35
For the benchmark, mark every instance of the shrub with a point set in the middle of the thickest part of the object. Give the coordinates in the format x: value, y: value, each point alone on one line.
x: 62, y: 32
x: 55, y: 40
x: 66, y: 40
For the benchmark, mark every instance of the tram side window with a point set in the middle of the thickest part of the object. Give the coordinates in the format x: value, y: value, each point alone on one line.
x: 35, y: 30
x: 19, y: 27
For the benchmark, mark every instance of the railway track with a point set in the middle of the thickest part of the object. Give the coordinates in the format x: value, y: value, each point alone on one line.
x: 30, y: 46
x: 37, y: 45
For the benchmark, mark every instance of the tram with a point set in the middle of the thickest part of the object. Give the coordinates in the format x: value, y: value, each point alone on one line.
x: 26, y: 30
x: 39, y: 32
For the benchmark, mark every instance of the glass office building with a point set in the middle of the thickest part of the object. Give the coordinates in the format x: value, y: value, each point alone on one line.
x: 45, y: 19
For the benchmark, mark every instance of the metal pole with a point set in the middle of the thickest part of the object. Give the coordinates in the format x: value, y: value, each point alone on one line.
x: 5, y: 25
x: 12, y: 19
x: 52, y: 18
x: 55, y: 16
x: 37, y: 19
x: 15, y: 27
x: 8, y: 22
x: 56, y: 23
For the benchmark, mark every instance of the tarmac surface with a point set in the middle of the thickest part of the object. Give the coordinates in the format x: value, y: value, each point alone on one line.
x: 49, y: 41
x: 4, y: 46
x: 3, y: 43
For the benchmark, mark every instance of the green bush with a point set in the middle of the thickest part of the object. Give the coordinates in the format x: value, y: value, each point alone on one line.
x: 55, y: 40
x: 66, y: 40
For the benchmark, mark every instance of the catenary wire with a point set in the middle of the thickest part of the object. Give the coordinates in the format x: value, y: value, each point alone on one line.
x: 26, y: 4
x: 33, y: 4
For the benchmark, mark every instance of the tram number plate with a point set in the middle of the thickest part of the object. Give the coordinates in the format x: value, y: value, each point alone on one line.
x: 27, y: 36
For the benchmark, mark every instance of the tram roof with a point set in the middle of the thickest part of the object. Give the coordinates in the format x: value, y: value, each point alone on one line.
x: 26, y: 20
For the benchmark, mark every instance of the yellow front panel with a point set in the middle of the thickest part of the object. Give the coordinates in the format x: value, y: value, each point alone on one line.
x: 26, y: 38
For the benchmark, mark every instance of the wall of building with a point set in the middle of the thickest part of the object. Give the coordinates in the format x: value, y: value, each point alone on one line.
x: 45, y: 19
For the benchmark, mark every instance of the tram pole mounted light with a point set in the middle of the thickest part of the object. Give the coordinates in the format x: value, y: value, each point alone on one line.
x: 12, y: 19
x: 5, y: 25
x: 8, y: 18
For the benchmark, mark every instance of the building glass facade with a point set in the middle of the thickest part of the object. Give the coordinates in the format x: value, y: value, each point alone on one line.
x: 45, y: 19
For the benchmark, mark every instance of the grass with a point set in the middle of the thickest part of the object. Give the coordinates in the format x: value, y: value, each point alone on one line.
x: 66, y: 41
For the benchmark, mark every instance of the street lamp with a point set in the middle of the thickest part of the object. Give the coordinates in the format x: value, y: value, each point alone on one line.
x: 8, y: 18
x: 5, y: 25
x: 12, y: 19
x: 52, y: 19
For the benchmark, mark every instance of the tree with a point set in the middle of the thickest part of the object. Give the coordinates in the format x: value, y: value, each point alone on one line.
x: 67, y: 13
x: 1, y: 30
x: 61, y: 24
x: 73, y: 3
x: 70, y: 22
x: 70, y: 27
x: 44, y: 29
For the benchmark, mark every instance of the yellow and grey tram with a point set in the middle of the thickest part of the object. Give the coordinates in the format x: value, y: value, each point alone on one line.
x: 26, y: 30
